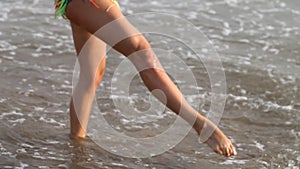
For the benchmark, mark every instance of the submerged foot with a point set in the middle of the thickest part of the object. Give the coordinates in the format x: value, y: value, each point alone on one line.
x: 216, y: 139
x: 221, y: 144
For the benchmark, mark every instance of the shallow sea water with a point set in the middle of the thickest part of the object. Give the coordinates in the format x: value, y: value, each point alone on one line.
x: 258, y: 43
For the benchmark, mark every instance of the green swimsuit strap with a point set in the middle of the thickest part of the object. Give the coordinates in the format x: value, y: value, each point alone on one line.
x: 60, y: 7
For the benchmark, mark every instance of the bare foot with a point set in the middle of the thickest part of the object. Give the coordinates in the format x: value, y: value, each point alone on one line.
x: 214, y: 138
x: 221, y: 144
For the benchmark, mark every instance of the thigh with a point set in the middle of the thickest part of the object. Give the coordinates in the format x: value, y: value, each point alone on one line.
x: 80, y: 37
x: 91, y: 53
x: 110, y: 26
x: 87, y: 16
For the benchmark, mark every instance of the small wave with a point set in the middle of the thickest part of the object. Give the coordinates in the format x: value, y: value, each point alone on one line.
x: 233, y: 161
x: 259, y: 146
x: 52, y: 121
x: 12, y: 113
x: 6, y: 46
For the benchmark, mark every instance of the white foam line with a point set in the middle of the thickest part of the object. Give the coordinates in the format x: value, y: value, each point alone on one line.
x: 11, y: 113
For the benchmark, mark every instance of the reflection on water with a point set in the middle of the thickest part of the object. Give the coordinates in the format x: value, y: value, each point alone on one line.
x: 258, y: 42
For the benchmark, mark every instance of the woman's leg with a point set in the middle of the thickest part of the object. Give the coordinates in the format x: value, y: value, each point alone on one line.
x: 136, y: 47
x: 92, y: 65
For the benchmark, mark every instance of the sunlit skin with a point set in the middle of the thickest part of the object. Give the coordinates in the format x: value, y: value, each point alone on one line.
x: 84, y: 22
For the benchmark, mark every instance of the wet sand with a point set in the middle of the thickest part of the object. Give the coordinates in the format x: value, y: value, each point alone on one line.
x: 258, y: 43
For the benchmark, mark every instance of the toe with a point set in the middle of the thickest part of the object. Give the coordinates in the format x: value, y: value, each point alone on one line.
x: 227, y: 151
x: 219, y: 151
x: 233, y: 150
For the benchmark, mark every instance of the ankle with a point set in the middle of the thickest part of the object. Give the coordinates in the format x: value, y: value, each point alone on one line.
x: 77, y: 135
x: 199, y: 124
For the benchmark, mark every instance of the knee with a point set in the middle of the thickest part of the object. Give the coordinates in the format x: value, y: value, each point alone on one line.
x: 89, y: 79
x: 132, y: 44
x: 140, y: 53
x: 99, y: 74
x: 144, y: 59
x: 138, y: 43
x: 90, y: 83
x: 98, y: 77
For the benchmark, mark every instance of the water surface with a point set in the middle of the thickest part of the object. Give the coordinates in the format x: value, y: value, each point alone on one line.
x: 258, y: 42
